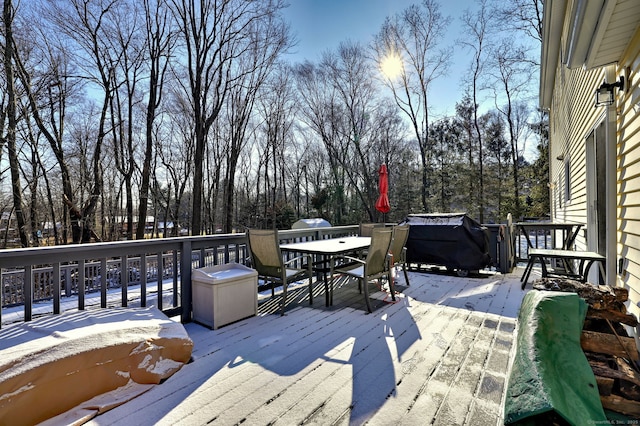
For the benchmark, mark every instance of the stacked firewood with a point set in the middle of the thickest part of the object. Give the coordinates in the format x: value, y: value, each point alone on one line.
x: 612, y: 354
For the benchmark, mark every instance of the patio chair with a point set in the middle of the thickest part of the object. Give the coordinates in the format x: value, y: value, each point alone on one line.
x: 399, y: 250
x: 366, y: 229
x: 266, y: 258
x: 375, y: 266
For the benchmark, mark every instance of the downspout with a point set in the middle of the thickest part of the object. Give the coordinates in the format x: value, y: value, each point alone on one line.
x: 576, y: 23
x: 611, y: 192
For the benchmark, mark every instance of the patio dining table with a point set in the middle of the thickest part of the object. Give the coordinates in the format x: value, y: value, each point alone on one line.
x: 323, y: 250
x: 569, y: 231
x: 569, y: 234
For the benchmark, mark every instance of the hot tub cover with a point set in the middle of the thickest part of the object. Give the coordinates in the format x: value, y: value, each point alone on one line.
x: 311, y: 223
x: 453, y: 240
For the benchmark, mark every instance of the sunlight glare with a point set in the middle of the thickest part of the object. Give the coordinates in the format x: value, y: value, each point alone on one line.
x: 391, y: 66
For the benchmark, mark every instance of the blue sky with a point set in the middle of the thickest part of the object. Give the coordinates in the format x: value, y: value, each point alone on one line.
x: 321, y: 25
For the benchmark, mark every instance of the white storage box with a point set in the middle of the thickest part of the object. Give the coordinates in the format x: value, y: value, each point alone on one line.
x: 223, y: 294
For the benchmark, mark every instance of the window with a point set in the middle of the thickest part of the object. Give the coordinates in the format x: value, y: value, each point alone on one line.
x: 567, y: 181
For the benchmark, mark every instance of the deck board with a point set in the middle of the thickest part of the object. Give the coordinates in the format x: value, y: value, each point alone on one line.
x: 439, y: 355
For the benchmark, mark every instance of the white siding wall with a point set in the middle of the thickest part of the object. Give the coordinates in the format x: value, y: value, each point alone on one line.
x: 572, y: 118
x: 628, y: 177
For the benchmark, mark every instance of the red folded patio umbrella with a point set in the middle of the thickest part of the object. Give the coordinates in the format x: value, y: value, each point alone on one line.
x: 382, y: 205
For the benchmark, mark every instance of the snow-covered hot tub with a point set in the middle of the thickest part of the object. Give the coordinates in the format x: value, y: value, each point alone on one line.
x: 78, y: 364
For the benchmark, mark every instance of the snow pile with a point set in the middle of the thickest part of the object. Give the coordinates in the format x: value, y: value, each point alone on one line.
x: 82, y: 363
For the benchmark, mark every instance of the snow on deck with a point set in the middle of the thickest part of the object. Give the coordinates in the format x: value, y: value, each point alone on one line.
x: 439, y: 355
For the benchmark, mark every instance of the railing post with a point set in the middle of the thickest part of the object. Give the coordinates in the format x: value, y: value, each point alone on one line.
x: 504, y: 250
x: 503, y: 245
x: 511, y: 251
x: 185, y: 282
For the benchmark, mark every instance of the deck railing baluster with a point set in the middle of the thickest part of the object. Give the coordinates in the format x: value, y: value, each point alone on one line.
x: 103, y: 282
x: 160, y: 275
x: 81, y: 277
x: 27, y: 291
x: 124, y: 280
x: 56, y: 287
x: 143, y: 280
x: 174, y: 268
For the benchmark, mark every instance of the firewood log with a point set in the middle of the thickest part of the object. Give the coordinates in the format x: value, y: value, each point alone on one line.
x: 604, y: 343
x: 621, y: 405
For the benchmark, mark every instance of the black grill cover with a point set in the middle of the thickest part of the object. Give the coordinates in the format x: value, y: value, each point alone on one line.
x: 453, y: 240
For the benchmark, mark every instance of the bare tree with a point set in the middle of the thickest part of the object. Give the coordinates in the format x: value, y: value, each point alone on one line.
x: 341, y: 105
x: 352, y: 76
x: 175, y: 150
x: 511, y: 74
x: 215, y: 33
x: 476, y: 26
x: 88, y: 27
x: 411, y: 39
x: 498, y: 155
x: 160, y: 42
x: 524, y: 16
x: 322, y: 114
x: 16, y: 186
x: 515, y: 67
x: 45, y: 74
x: 127, y: 70
x: 276, y: 109
x: 267, y: 39
x: 33, y: 175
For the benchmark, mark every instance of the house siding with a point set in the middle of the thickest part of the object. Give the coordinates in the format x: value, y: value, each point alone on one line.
x: 568, y: 90
x: 628, y: 175
x: 572, y: 120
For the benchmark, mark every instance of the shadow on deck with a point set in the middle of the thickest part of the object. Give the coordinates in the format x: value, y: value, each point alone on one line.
x: 475, y: 292
x: 439, y: 355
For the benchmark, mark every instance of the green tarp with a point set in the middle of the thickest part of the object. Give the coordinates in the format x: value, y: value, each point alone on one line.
x: 550, y: 371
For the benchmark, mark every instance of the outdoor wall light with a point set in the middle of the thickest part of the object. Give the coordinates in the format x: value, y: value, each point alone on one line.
x: 604, y: 93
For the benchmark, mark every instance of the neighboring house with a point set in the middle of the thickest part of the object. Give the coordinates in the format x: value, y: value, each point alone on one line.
x: 595, y: 150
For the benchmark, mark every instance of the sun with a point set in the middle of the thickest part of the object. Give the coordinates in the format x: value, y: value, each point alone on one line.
x: 391, y: 66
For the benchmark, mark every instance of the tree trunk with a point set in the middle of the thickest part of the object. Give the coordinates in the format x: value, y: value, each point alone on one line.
x: 14, y: 165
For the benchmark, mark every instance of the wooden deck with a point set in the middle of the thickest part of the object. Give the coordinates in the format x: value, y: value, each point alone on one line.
x: 439, y: 355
